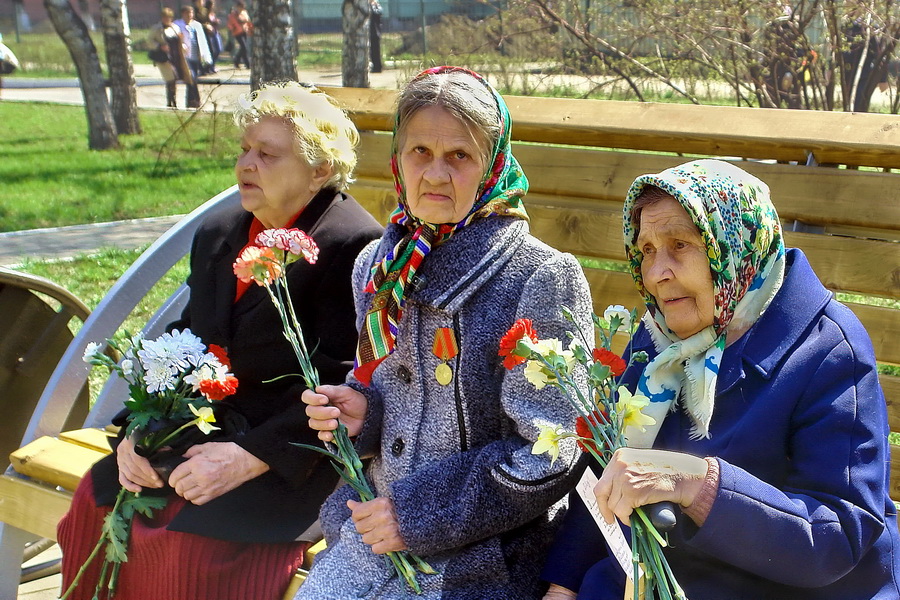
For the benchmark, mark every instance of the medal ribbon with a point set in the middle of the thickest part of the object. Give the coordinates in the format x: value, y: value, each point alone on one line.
x: 445, y: 346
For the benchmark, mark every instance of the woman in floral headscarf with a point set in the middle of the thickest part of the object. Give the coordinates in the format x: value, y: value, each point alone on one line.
x: 451, y: 433
x: 770, y: 422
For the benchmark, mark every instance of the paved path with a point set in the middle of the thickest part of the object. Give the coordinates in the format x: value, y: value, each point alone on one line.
x: 218, y: 89
x: 71, y: 241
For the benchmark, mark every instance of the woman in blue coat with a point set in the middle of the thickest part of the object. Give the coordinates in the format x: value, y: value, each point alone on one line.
x: 771, y: 428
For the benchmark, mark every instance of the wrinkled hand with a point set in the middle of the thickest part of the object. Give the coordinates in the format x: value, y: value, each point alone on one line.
x: 135, y: 472
x: 558, y: 592
x: 213, y: 469
x: 377, y: 522
x: 636, y: 477
x: 332, y: 402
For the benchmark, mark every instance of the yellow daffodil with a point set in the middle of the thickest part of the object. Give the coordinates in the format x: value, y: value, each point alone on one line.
x: 548, y: 441
x: 629, y: 406
x: 205, y: 418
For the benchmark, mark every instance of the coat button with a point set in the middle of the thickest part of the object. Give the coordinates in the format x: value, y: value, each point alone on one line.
x: 403, y: 374
x: 397, y: 447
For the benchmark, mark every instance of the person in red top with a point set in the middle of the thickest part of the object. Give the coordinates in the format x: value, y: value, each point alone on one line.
x: 241, y: 29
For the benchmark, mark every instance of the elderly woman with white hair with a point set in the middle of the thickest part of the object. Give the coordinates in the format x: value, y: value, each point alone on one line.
x: 241, y: 506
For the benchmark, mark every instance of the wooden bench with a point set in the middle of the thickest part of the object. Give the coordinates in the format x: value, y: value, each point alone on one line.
x: 580, y: 157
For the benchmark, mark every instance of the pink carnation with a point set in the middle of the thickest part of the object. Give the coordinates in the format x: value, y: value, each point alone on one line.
x: 292, y: 240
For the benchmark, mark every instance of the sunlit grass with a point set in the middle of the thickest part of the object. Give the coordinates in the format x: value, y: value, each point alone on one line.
x: 49, y: 177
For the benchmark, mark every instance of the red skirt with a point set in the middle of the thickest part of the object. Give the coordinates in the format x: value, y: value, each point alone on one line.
x: 171, y: 564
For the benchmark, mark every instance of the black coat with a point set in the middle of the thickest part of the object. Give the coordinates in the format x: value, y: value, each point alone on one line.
x: 281, y: 504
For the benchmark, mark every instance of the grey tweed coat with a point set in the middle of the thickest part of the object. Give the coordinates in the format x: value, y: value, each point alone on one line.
x: 456, y: 460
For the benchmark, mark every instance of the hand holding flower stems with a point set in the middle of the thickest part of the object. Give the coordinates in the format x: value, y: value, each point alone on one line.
x: 605, y: 409
x: 173, y: 382
x: 265, y: 264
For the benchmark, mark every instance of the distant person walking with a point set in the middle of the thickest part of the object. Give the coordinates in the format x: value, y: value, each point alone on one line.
x: 241, y: 29
x: 375, y: 12
x: 197, y: 51
x: 205, y: 13
x: 8, y: 61
x: 168, y: 56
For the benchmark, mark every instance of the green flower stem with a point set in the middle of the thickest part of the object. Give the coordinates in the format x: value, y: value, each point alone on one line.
x: 161, y: 443
x: 100, y: 543
x: 341, y: 450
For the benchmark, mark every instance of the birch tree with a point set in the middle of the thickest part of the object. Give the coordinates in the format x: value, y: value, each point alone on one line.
x: 102, y: 133
x: 117, y: 37
x: 273, y: 44
x: 355, y: 55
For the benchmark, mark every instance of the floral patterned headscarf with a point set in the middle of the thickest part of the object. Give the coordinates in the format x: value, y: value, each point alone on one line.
x: 742, y: 233
x: 500, y: 193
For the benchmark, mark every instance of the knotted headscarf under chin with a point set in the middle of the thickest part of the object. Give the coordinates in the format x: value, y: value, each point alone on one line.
x: 500, y: 193
x: 742, y: 234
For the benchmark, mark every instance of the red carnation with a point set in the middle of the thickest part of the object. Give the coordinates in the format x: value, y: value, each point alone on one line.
x: 221, y: 355
x: 583, y: 430
x: 520, y: 329
x: 612, y: 360
x: 217, y: 389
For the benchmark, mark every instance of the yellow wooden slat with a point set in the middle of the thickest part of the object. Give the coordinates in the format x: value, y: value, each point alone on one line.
x: 32, y: 507
x: 91, y: 438
x: 54, y: 461
x: 296, y: 581
x: 593, y: 228
x: 833, y: 137
x: 864, y: 203
x: 883, y: 325
x: 856, y: 139
x: 868, y: 267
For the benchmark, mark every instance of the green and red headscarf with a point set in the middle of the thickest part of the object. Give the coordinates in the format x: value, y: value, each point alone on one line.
x: 500, y: 193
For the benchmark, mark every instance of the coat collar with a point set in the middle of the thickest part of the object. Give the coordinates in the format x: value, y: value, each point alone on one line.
x: 456, y: 269
x: 222, y: 258
x: 780, y: 328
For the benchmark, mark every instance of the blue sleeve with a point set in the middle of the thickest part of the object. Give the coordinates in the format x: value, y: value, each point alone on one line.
x: 816, y: 525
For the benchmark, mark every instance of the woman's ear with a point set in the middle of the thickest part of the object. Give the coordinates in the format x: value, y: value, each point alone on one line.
x: 321, y: 175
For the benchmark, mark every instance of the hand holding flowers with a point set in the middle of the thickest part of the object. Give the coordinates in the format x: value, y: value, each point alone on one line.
x: 173, y: 382
x: 265, y: 264
x: 606, y: 412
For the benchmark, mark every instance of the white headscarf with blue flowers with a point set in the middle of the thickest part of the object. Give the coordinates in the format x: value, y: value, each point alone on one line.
x: 740, y: 228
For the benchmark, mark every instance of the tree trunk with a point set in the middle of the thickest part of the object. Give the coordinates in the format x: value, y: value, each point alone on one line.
x: 101, y: 127
x: 117, y: 35
x: 355, y: 57
x: 273, y: 44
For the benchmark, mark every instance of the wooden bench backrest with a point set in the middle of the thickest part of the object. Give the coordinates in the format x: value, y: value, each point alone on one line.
x: 581, y: 156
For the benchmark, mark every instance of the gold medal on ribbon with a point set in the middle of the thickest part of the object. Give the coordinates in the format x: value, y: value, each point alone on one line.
x: 445, y: 347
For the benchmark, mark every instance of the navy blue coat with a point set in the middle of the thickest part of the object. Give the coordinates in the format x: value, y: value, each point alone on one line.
x: 800, y: 433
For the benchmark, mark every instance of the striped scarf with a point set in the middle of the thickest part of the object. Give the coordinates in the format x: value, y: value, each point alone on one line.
x: 500, y: 193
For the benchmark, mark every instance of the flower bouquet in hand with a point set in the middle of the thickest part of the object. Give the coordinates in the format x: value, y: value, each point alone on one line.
x: 174, y: 382
x: 605, y: 409
x: 265, y: 264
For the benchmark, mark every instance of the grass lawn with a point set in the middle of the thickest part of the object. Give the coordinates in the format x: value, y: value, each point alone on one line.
x: 49, y: 177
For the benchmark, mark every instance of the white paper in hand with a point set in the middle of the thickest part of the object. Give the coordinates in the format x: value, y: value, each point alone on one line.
x: 615, y: 539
